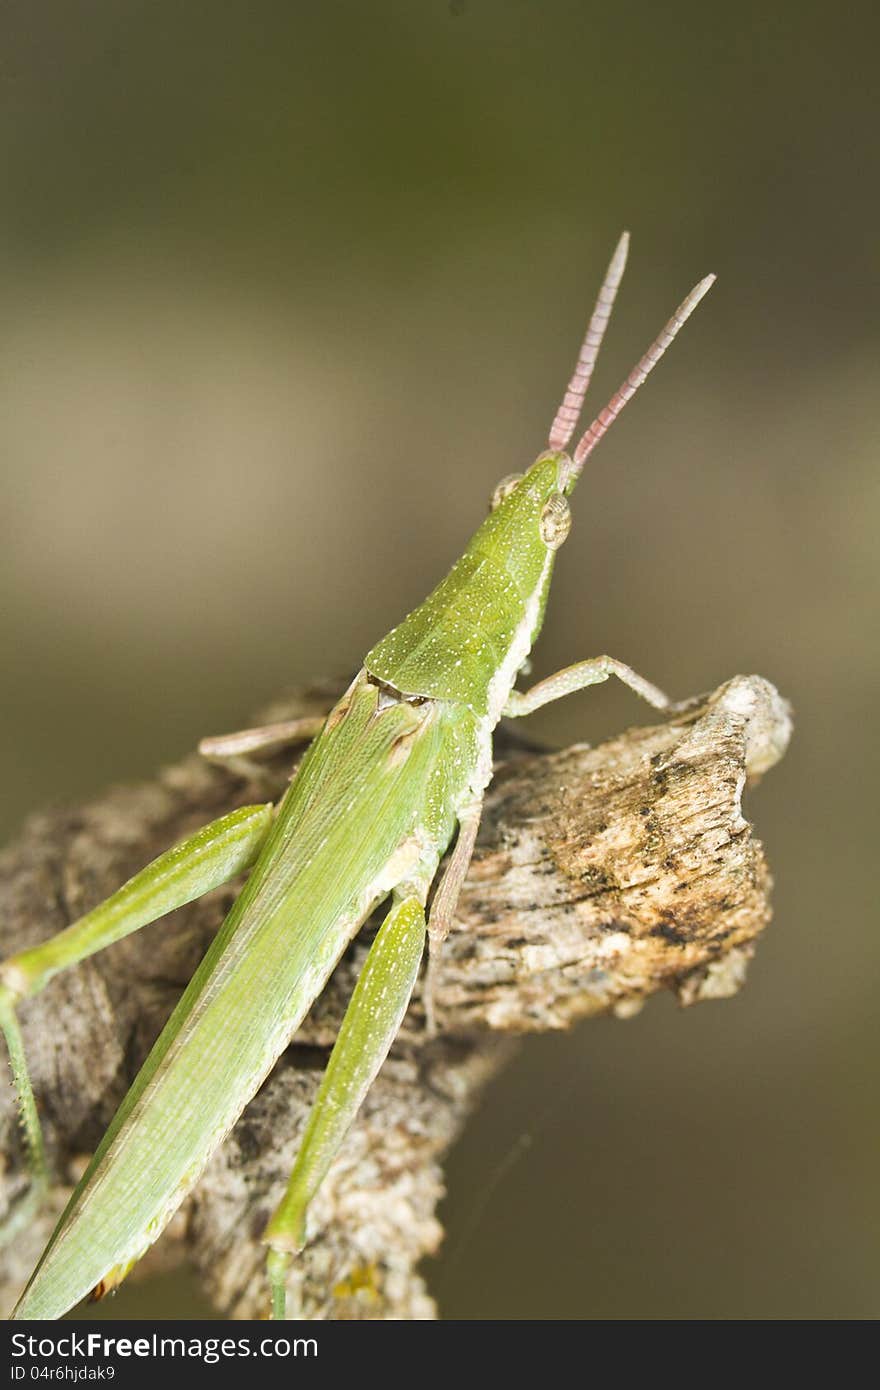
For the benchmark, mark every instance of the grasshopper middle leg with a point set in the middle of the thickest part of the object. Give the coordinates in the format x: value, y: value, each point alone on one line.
x: 213, y: 855
x: 445, y: 902
x: 236, y: 751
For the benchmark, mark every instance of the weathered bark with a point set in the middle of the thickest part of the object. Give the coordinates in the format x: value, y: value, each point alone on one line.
x: 601, y: 876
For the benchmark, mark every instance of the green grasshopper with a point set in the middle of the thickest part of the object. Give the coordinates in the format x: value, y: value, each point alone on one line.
x: 397, y: 767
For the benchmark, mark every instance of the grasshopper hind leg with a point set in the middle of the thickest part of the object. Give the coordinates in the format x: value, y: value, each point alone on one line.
x: 213, y: 855
x: 370, y: 1025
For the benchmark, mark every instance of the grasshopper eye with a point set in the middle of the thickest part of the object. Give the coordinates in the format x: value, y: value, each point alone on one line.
x: 504, y: 489
x: 555, y: 521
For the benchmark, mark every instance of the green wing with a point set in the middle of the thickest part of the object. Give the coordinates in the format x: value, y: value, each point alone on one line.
x: 360, y: 792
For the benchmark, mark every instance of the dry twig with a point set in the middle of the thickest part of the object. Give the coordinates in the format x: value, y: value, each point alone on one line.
x: 601, y: 876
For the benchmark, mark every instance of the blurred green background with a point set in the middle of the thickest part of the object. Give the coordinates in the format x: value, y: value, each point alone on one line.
x: 285, y: 289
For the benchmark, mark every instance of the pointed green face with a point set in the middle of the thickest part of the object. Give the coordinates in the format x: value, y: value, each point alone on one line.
x: 468, y: 639
x: 529, y: 517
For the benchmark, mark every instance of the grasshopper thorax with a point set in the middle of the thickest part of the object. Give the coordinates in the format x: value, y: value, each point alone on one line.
x: 468, y: 639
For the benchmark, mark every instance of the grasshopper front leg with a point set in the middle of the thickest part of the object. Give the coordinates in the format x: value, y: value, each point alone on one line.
x: 368, y: 1029
x: 213, y: 855
x: 578, y: 677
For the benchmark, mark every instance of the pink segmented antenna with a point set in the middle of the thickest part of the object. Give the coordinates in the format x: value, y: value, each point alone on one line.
x: 569, y: 412
x: 606, y: 417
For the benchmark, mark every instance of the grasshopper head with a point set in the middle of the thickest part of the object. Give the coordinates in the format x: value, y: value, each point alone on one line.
x: 470, y: 637
x: 529, y: 511
x: 554, y: 473
x: 546, y: 480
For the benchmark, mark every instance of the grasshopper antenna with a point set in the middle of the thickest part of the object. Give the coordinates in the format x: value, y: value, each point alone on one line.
x: 569, y: 411
x: 605, y: 419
